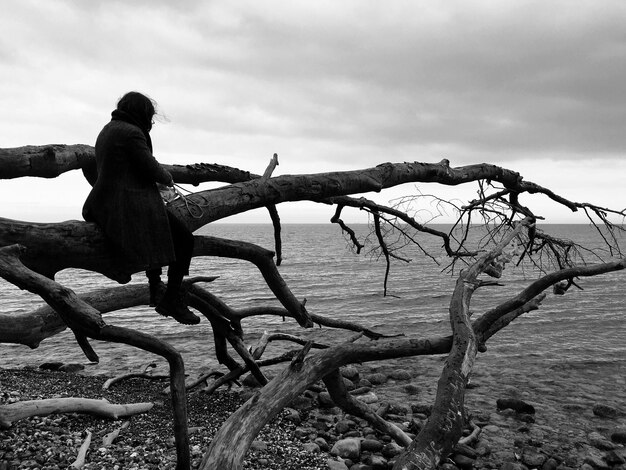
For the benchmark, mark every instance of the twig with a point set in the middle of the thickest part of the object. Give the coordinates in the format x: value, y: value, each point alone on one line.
x: 110, y: 438
x: 476, y: 430
x: 130, y: 375
x: 82, y: 453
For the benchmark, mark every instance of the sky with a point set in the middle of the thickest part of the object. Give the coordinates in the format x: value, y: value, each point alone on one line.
x: 537, y: 87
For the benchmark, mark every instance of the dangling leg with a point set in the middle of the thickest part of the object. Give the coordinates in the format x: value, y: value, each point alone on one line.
x: 173, y: 303
x: 155, y: 284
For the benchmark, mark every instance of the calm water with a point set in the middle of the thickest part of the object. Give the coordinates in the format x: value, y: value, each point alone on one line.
x: 581, y: 327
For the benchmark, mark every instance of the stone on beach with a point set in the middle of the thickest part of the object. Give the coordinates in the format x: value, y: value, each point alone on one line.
x: 349, y: 448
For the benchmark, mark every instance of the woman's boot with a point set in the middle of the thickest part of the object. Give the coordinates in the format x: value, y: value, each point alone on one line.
x: 173, y: 305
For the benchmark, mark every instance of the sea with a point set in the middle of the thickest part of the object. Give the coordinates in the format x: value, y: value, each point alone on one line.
x: 585, y: 327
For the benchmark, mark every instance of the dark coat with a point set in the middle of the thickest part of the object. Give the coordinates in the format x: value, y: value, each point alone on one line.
x: 125, y: 201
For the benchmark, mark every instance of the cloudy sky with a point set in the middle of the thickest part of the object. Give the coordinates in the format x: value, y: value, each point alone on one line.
x: 536, y: 86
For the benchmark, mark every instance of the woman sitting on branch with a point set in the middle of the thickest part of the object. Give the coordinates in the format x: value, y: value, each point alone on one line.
x: 126, y: 204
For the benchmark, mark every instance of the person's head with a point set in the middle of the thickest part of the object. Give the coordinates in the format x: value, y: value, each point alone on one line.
x: 139, y: 106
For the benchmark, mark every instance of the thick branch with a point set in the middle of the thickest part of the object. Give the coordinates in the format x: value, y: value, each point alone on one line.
x: 241, y: 197
x: 50, y: 161
x: 485, y: 323
x: 237, y: 433
x: 47, y: 161
x: 74, y: 244
x: 30, y: 328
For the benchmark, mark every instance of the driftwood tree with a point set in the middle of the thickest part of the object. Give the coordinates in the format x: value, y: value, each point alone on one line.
x: 32, y: 253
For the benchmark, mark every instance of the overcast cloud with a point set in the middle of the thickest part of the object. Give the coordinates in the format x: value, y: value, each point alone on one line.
x: 539, y: 87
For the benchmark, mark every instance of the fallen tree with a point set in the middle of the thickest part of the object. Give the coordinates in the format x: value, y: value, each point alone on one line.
x: 31, y: 254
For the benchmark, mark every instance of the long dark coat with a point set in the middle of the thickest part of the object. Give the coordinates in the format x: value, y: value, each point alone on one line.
x: 125, y: 201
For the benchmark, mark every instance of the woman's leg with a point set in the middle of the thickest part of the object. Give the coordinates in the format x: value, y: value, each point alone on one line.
x: 172, y: 302
x: 183, y: 249
x: 154, y: 282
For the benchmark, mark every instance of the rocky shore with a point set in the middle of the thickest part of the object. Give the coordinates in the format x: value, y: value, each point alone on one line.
x: 521, y: 427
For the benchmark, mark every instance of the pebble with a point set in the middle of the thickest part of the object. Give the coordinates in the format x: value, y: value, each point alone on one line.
x: 606, y: 411
x: 515, y: 404
x: 376, y: 378
x: 375, y: 462
x: 371, y: 445
x: 292, y: 415
x: 532, y: 458
x: 491, y: 428
x: 322, y: 444
x: 400, y: 374
x: 600, y: 442
x: 411, y: 389
x: 550, y: 464
x: 350, y: 372
x: 335, y: 465
x: 619, y: 436
x: 391, y: 450
x: 613, y: 458
x: 596, y: 462
x: 349, y: 448
x: 311, y: 447
x: 369, y: 398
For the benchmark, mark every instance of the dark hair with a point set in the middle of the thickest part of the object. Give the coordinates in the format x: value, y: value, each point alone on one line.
x: 139, y: 106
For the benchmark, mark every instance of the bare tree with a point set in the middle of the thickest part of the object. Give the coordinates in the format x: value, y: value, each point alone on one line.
x: 32, y: 253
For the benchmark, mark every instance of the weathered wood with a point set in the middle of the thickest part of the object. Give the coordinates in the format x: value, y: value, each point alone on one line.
x: 257, y: 352
x: 47, y: 161
x: 50, y: 161
x: 445, y: 425
x: 235, y: 436
x: 110, y: 438
x: 339, y: 394
x: 32, y: 327
x: 242, y: 197
x: 25, y: 409
x: 79, y: 463
x: 485, y: 324
x: 131, y: 375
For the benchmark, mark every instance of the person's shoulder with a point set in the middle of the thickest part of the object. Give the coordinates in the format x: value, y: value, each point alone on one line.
x: 121, y: 129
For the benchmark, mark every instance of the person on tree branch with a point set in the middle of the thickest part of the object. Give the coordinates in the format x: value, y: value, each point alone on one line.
x: 126, y: 204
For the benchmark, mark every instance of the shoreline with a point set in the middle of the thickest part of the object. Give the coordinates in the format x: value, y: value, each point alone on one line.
x: 565, y: 431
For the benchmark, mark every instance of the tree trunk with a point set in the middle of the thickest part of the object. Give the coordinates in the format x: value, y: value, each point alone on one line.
x: 445, y: 424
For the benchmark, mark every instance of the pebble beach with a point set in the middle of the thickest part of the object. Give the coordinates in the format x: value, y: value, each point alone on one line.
x: 577, y: 421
